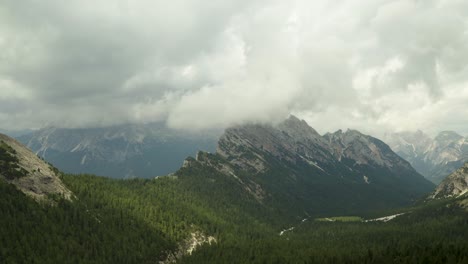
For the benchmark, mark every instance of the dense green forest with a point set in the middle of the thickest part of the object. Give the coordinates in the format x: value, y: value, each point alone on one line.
x: 143, y: 221
x: 429, y: 234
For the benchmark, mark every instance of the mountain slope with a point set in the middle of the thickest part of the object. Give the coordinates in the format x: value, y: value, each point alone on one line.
x: 292, y: 167
x: 124, y: 151
x: 30, y: 174
x: 143, y: 221
x: 237, y: 206
x: 433, y: 158
x: 456, y: 184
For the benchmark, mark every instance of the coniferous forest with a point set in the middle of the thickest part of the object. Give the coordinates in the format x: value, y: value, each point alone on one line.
x: 144, y: 221
x: 234, y: 132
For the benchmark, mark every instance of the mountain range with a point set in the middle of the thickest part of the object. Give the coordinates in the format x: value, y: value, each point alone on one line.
x: 434, y: 158
x: 270, y: 194
x: 278, y: 164
x: 149, y: 150
x: 290, y: 164
x: 125, y: 151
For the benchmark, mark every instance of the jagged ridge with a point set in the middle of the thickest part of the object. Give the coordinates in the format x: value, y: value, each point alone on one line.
x: 292, y: 163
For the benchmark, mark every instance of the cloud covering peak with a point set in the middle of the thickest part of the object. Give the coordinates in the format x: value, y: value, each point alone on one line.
x: 373, y: 65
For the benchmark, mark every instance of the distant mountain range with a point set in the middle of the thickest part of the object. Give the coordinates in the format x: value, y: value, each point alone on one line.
x: 16, y: 133
x: 124, y: 151
x: 435, y: 158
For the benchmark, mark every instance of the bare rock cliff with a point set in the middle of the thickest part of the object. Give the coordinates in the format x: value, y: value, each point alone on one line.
x: 30, y: 174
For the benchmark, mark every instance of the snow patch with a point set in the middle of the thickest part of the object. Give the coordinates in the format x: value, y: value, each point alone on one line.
x: 83, y: 160
x: 366, y: 179
x: 286, y: 230
x: 313, y: 163
x: 385, y: 218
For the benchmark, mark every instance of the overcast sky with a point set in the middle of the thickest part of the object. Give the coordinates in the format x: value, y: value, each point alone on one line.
x: 372, y: 65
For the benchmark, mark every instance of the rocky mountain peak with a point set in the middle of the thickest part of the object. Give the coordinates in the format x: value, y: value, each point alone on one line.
x: 352, y: 135
x: 298, y: 129
x: 30, y: 174
x: 295, y: 141
x: 336, y: 136
x: 292, y: 140
x: 447, y: 147
x: 291, y: 160
x: 409, y: 143
x: 362, y: 148
x: 447, y: 136
x: 240, y: 145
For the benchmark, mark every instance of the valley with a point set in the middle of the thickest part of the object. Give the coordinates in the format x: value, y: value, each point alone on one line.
x: 270, y: 194
x: 233, y: 132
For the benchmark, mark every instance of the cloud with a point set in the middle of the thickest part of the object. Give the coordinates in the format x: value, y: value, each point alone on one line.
x: 371, y: 65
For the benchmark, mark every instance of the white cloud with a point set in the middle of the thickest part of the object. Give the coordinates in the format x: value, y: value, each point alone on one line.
x: 373, y: 65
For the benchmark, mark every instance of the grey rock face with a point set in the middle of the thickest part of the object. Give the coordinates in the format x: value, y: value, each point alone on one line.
x: 291, y: 141
x: 294, y: 140
x: 39, y: 180
x: 364, y: 149
x: 455, y: 184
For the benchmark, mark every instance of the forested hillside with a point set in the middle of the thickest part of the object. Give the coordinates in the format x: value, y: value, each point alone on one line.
x: 212, y: 211
x: 141, y: 220
x: 144, y: 221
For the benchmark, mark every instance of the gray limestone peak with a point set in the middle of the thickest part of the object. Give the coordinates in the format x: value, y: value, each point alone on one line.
x: 295, y: 141
x: 362, y: 148
x: 294, y: 158
x: 298, y: 129
x: 448, y: 136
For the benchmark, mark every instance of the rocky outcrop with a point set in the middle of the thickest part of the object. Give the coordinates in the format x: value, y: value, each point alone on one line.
x: 456, y: 184
x: 228, y: 169
x: 37, y: 178
x: 188, y: 246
